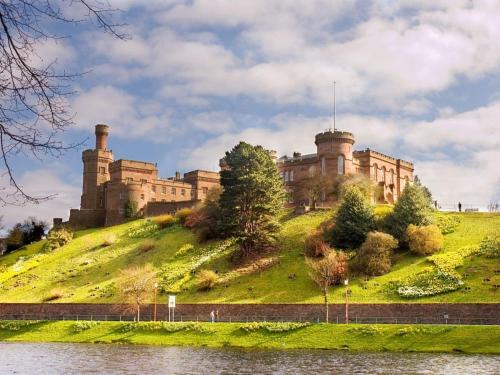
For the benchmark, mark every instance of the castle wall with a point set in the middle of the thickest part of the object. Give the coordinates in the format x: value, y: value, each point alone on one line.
x: 162, y: 208
x: 86, y: 218
x: 202, y: 182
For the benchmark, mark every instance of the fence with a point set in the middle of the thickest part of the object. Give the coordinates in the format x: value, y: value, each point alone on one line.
x: 336, y: 319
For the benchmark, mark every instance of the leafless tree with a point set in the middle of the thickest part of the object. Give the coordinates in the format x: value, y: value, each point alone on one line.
x: 137, y: 286
x: 330, y: 270
x: 34, y: 94
x: 312, y: 188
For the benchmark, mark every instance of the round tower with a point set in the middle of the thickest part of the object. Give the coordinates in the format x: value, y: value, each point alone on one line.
x: 101, y: 137
x: 334, y: 150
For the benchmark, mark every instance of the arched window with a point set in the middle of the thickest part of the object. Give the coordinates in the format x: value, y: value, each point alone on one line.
x: 391, y: 181
x: 407, y: 180
x: 323, y: 165
x: 383, y: 173
x: 341, y: 164
x: 375, y: 172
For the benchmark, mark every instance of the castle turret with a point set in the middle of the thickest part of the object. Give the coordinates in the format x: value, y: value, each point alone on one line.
x: 334, y: 150
x: 96, y: 170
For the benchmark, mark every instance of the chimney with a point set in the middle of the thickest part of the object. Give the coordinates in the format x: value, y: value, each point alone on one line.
x: 101, y: 137
x: 177, y: 175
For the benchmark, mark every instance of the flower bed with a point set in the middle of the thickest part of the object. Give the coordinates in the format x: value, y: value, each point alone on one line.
x: 429, y: 283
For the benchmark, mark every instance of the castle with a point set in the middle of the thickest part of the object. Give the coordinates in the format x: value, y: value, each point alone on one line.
x: 335, y: 157
x: 108, y: 184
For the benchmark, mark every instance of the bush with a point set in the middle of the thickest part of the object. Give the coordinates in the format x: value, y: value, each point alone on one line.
x: 207, y: 279
x: 374, y: 256
x: 448, y: 223
x: 183, y: 214
x: 490, y: 247
x: 147, y: 245
x: 164, y: 221
x: 354, y: 220
x: 109, y: 240
x: 131, y: 209
x: 59, y: 237
x: 424, y: 240
x: 315, y: 246
x: 412, y: 208
x: 273, y: 327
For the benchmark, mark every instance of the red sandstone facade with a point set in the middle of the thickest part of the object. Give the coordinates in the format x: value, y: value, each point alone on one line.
x: 335, y: 156
x: 109, y: 184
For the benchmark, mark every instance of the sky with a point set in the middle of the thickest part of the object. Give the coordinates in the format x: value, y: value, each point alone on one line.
x: 417, y: 80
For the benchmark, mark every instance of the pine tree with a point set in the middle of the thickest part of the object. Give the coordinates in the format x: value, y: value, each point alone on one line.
x: 413, y: 207
x: 252, y: 197
x: 355, y: 218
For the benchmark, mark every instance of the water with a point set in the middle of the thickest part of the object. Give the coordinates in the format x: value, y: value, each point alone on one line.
x: 54, y: 358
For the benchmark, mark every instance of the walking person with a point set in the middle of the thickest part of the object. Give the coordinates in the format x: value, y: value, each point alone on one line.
x: 436, y: 205
x: 212, y: 316
x: 459, y: 207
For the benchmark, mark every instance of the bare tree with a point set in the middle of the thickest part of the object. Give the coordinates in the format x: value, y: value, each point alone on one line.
x: 330, y: 270
x: 34, y: 108
x: 137, y: 286
x: 313, y: 188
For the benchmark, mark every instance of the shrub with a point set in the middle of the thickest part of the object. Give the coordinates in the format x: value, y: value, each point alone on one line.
x: 315, y: 246
x: 183, y: 214
x: 448, y: 223
x: 374, y: 256
x: 164, y: 327
x: 412, y: 208
x: 164, y: 221
x: 109, y: 240
x: 17, y: 325
x: 59, y: 237
x: 147, y: 245
x: 83, y: 325
x: 490, y: 247
x: 184, y: 249
x: 130, y: 208
x: 424, y: 240
x: 207, y: 279
x: 354, y: 220
x: 273, y: 327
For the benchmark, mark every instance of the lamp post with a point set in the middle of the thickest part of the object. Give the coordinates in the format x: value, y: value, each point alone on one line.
x: 154, y: 311
x: 346, y: 283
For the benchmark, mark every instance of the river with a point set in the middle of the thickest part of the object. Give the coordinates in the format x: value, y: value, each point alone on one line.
x: 54, y: 358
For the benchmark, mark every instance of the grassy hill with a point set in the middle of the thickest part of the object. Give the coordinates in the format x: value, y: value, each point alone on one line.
x: 86, y: 271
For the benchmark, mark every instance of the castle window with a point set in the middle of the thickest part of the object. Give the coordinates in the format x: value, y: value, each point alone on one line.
x: 130, y: 179
x: 323, y: 165
x: 164, y: 190
x: 153, y: 188
x: 391, y: 181
x: 341, y: 165
x: 102, y: 170
x: 383, y: 174
x: 183, y: 192
x: 286, y: 176
x: 172, y: 191
x: 375, y: 172
x: 291, y: 176
x: 144, y: 181
x: 205, y: 190
x: 142, y: 196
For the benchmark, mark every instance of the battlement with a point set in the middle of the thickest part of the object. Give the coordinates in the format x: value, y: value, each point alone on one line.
x: 296, y: 159
x: 335, y: 136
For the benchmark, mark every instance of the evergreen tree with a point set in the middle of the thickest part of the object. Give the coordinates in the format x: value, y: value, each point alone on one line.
x: 252, y: 197
x: 424, y: 188
x: 413, y: 207
x: 355, y: 218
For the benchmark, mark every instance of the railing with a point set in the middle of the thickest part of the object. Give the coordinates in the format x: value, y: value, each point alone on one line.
x: 335, y: 319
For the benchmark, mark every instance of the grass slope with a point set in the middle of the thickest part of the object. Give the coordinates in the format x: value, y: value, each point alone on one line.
x: 424, y: 338
x: 85, y: 271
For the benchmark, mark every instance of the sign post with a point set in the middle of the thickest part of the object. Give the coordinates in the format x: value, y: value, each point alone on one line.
x: 171, y: 307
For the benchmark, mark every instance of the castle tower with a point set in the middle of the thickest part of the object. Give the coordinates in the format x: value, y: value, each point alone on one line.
x: 96, y: 170
x: 334, y: 150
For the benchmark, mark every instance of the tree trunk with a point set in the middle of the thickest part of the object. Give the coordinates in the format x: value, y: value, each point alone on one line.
x: 325, y: 292
x: 138, y: 313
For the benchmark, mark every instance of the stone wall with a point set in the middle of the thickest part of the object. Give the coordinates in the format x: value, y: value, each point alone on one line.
x: 161, y: 208
x: 86, y: 218
x: 489, y: 313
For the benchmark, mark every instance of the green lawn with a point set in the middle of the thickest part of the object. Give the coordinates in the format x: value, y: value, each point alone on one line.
x: 85, y: 271
x: 421, y: 338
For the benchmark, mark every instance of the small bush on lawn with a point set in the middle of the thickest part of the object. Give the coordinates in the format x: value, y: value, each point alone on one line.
x: 147, y: 245
x: 183, y: 214
x: 374, y: 256
x: 83, y: 325
x: 490, y: 247
x: 272, y: 326
x: 109, y: 240
x: 164, y: 221
x: 366, y: 330
x: 58, y: 237
x: 315, y: 246
x: 16, y: 325
x: 164, y: 327
x: 207, y: 279
x: 448, y: 223
x: 424, y: 240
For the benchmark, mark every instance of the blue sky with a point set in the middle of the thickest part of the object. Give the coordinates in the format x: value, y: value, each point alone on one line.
x: 415, y: 79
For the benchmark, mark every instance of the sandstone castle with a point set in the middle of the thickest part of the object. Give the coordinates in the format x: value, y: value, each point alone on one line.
x: 108, y: 184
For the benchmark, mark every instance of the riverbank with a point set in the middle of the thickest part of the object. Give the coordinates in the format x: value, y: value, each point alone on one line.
x: 359, y: 337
